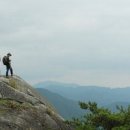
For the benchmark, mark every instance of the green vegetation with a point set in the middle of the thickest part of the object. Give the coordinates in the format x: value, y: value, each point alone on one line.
x: 11, y: 104
x: 12, y: 83
x: 99, y: 118
x: 49, y: 111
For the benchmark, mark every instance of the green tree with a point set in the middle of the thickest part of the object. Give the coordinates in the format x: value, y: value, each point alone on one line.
x: 99, y: 118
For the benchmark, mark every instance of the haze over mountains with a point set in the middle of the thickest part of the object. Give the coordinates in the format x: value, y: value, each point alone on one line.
x: 65, y: 107
x: 106, y: 97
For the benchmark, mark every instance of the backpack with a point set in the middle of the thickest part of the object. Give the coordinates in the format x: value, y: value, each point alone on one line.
x: 5, y: 60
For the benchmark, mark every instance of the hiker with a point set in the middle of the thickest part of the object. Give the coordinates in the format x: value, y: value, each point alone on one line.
x: 7, y: 63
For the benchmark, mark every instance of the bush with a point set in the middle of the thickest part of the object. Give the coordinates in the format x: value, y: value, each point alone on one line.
x: 99, y: 118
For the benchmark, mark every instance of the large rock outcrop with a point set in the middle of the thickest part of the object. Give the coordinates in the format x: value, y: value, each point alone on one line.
x: 22, y: 108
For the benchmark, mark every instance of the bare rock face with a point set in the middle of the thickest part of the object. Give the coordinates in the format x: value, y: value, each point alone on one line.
x: 22, y: 108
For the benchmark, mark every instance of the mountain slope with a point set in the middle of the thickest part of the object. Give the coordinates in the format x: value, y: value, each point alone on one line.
x: 113, y: 106
x: 22, y: 108
x: 101, y: 95
x: 65, y: 107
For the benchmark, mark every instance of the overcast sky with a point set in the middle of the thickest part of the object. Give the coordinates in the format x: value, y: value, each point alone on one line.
x: 73, y: 41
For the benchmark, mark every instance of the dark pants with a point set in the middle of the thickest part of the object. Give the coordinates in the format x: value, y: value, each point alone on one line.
x: 8, y: 67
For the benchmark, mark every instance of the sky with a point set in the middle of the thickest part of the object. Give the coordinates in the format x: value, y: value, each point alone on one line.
x: 71, y: 41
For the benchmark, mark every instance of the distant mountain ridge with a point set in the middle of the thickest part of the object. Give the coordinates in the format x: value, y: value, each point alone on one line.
x: 60, y: 94
x: 113, y: 106
x: 65, y: 107
x: 101, y: 95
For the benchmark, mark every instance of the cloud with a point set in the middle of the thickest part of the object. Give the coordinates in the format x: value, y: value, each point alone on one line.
x: 68, y: 37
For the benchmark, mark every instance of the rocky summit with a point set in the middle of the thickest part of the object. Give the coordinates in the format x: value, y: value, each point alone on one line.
x: 22, y: 108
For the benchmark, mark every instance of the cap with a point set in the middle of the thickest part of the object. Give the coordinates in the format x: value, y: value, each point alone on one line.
x: 9, y: 54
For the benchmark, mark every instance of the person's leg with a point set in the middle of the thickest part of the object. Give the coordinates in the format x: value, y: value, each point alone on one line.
x: 11, y: 71
x: 7, y: 70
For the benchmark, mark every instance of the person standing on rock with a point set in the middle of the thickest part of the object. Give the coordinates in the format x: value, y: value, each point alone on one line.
x: 7, y: 63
